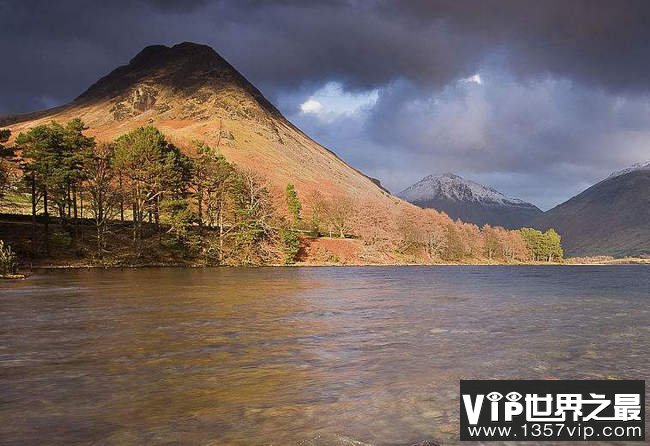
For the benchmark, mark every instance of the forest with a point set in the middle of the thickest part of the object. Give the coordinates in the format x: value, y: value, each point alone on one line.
x: 142, y: 200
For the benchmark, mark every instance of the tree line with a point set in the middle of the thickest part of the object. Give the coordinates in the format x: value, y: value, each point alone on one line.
x: 198, y: 205
x: 427, y: 235
x: 142, y: 194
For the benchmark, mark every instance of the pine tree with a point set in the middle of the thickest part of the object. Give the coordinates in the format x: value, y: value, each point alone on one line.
x: 210, y: 180
x: 150, y: 167
x: 290, y: 244
x: 53, y: 155
x: 254, y: 212
x: 293, y: 203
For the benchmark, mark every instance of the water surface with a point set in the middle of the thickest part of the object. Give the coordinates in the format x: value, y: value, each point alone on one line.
x: 310, y: 356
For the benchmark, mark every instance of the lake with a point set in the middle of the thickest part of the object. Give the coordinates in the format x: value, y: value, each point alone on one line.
x: 309, y: 356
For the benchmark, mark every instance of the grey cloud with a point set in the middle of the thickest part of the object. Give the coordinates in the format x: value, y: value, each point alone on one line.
x: 281, y: 44
x: 565, y: 99
x: 541, y: 140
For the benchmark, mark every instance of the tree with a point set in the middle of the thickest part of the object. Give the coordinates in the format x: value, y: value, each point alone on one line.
x: 411, y: 235
x: 213, y: 187
x: 290, y: 244
x: 340, y: 211
x: 543, y: 246
x: 254, y: 213
x: 454, y: 248
x: 553, y: 245
x: 179, y: 217
x: 471, y: 240
x: 492, y: 242
x: 534, y: 242
x: 41, y: 148
x: 435, y: 241
x: 419, y: 231
x: 318, y: 210
x: 77, y: 147
x: 149, y: 167
x: 293, y: 203
x: 210, y: 180
x: 35, y: 148
x: 53, y: 155
x: 374, y: 224
x: 105, y: 194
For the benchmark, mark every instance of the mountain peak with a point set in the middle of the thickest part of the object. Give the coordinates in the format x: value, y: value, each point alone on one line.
x: 158, y: 53
x: 447, y: 175
x: 187, y: 76
x: 454, y: 187
x: 468, y: 200
x: 184, y: 67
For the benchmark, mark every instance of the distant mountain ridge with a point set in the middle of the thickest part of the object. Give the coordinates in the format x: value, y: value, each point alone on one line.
x: 612, y: 217
x: 470, y: 201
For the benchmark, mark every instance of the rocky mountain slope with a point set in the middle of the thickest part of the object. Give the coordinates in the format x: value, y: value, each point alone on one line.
x: 191, y: 93
x: 469, y: 201
x: 609, y: 218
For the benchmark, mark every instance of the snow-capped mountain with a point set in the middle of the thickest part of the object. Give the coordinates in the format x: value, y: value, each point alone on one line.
x: 454, y: 187
x: 469, y: 201
x: 632, y: 168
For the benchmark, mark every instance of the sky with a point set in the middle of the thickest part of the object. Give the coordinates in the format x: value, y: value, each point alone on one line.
x: 538, y: 99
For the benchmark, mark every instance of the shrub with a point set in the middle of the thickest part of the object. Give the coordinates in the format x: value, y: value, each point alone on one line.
x: 8, y: 260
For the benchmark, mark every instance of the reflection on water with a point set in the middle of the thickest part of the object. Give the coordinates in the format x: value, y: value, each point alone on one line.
x: 311, y: 356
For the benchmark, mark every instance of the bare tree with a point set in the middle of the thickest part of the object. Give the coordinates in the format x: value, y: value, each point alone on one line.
x: 318, y: 207
x: 102, y: 185
x: 340, y: 213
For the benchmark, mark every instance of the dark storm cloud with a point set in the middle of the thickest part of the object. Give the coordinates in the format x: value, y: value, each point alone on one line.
x: 57, y: 48
x: 601, y: 41
x: 565, y: 97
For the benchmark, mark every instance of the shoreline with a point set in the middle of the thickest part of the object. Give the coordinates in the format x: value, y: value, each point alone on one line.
x: 613, y: 262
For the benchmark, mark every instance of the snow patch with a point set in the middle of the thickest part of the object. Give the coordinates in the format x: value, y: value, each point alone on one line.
x: 633, y: 168
x: 455, y: 188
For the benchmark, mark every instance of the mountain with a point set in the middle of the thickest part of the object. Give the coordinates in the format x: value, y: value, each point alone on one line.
x: 633, y: 168
x: 469, y: 201
x: 191, y: 93
x: 609, y: 218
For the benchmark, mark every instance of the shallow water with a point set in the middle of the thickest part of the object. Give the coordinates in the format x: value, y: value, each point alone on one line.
x: 311, y: 356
